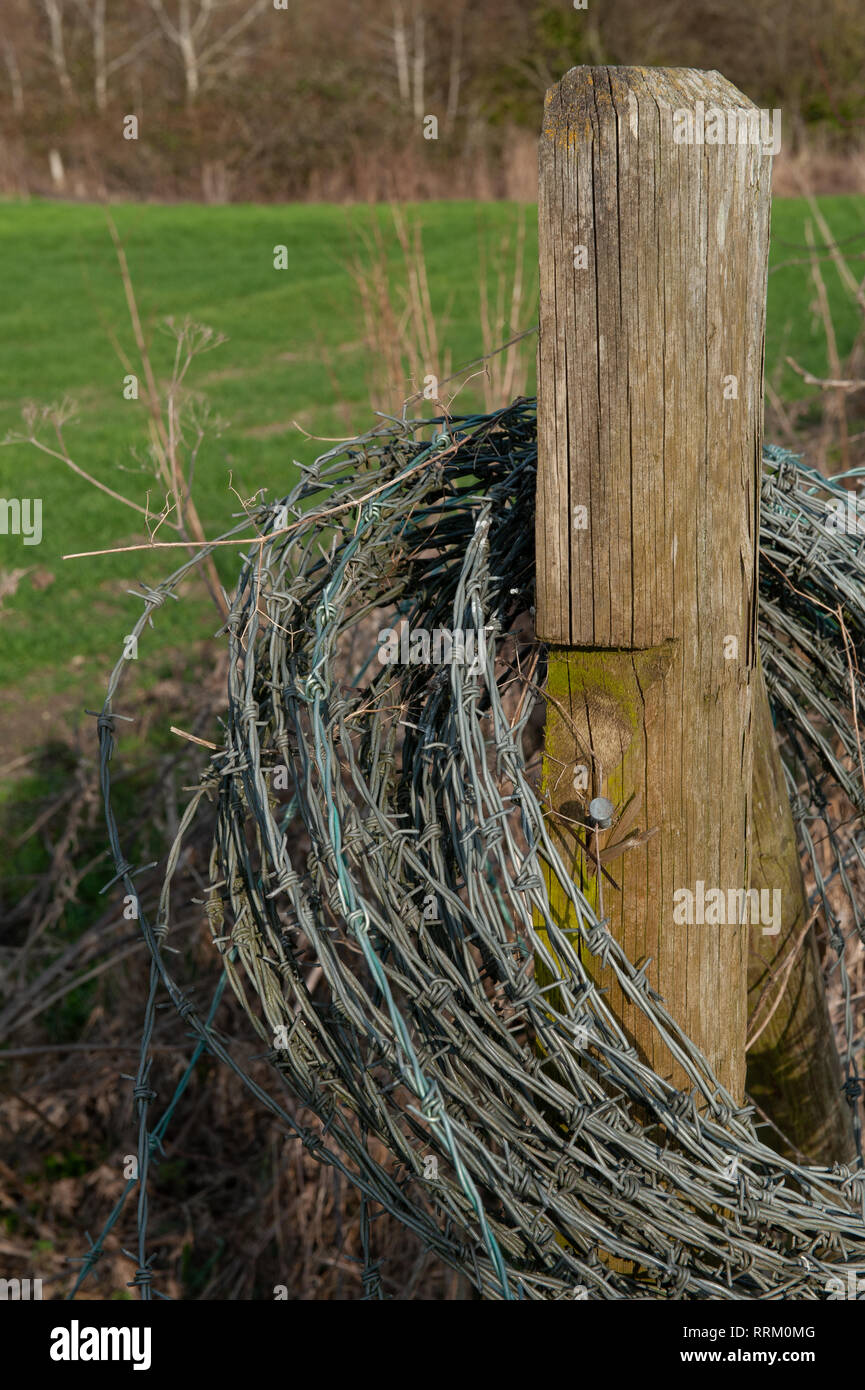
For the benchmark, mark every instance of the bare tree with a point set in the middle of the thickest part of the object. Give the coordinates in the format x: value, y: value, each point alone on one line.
x: 419, y: 64
x: 400, y: 52
x: 54, y: 15
x: 93, y: 12
x: 409, y: 57
x: 19, y: 45
x: 11, y: 61
x: 204, y: 54
x: 455, y: 69
x: 409, y: 52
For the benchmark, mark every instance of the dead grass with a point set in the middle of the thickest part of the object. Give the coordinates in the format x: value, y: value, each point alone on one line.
x: 238, y: 1209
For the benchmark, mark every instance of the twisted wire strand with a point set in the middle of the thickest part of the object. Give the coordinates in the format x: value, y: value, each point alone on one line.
x: 401, y: 857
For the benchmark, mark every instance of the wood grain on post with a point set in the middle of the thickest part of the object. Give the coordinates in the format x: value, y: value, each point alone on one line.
x: 653, y: 262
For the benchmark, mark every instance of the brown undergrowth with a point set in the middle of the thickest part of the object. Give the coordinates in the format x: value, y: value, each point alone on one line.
x: 238, y: 1208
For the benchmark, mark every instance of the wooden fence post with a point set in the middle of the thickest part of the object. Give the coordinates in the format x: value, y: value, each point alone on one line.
x: 653, y: 244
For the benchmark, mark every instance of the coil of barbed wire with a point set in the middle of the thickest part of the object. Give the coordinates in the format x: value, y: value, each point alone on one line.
x: 378, y: 883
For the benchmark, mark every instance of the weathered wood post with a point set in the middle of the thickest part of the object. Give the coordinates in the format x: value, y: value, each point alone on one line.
x: 653, y: 244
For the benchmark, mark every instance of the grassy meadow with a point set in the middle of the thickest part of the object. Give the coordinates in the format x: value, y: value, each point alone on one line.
x: 296, y: 351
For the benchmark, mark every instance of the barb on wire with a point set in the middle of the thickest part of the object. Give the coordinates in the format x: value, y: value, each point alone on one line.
x: 390, y: 834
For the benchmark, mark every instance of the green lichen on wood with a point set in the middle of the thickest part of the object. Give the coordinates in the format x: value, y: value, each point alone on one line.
x: 596, y: 717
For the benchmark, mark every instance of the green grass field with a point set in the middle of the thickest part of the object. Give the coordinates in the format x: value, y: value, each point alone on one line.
x: 295, y: 351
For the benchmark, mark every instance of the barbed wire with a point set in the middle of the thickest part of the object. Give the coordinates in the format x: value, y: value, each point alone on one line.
x: 388, y: 834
